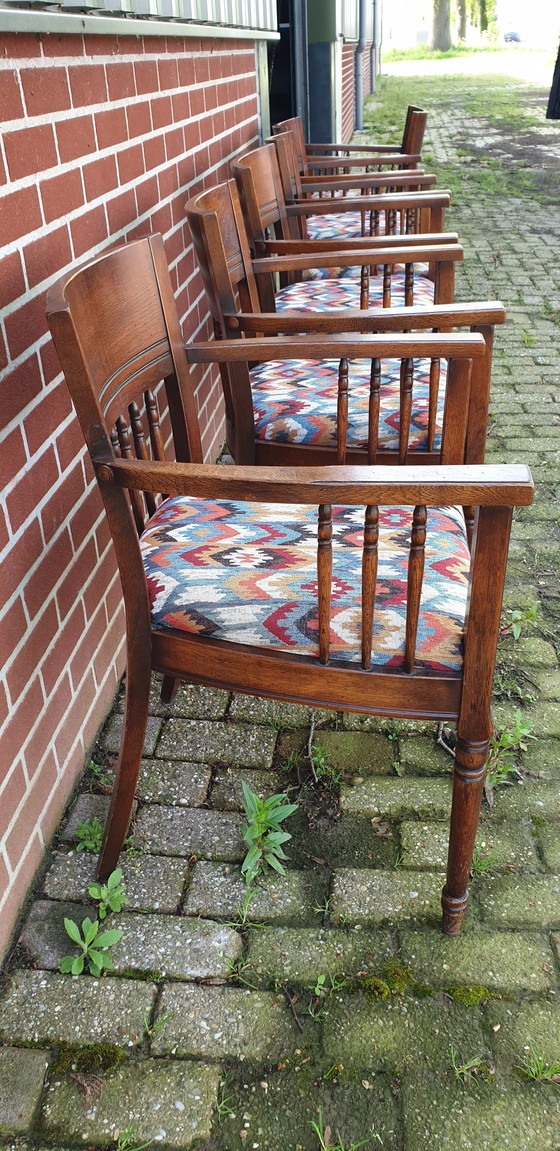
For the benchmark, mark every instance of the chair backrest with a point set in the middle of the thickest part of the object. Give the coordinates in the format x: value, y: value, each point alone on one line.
x: 414, y: 129
x: 116, y: 330
x: 216, y: 222
x: 259, y: 182
x: 295, y: 127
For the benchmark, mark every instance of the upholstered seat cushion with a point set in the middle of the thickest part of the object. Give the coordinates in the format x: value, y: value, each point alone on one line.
x: 247, y: 573
x: 343, y: 225
x: 294, y: 401
x: 326, y: 294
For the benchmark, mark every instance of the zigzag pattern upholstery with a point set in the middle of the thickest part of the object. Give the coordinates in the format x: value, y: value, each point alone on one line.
x: 295, y: 401
x: 327, y: 294
x: 247, y: 573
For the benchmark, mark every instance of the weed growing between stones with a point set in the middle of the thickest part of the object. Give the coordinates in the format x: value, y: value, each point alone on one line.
x: 512, y: 683
x: 111, y: 895
x: 464, y: 1072
x: 264, y: 835
x: 536, y: 1068
x: 125, y: 1141
x: 482, y: 862
x: 95, y: 948
x: 89, y: 835
x: 324, y: 1135
x: 520, y: 616
x: 504, y: 748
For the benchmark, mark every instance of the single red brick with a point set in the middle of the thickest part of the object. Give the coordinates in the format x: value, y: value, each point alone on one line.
x: 10, y: 96
x: 139, y: 119
x: 50, y: 362
x: 146, y: 74
x: 97, y: 45
x: 174, y: 143
x: 62, y: 194
x: 30, y: 150
x: 168, y: 74
x: 79, y: 572
x: 120, y: 81
x: 85, y: 517
x: 26, y: 324
x: 19, y: 214
x: 121, y: 211
x: 63, y: 648
x: 45, y: 87
x: 100, y: 177
x: 161, y: 112
x: 14, y: 627
x: 154, y: 153
x: 146, y: 195
x: 196, y: 97
x: 75, y: 138
x: 4, y: 707
x: 202, y: 69
x: 21, y: 45
x: 131, y: 164
x: 160, y: 221
x: 43, y: 421
x: 96, y: 589
x: 12, y: 284
x: 25, y: 711
x: 48, y: 255
x: 19, y: 388
x: 89, y: 231
x: 167, y: 182
x: 56, y: 560
x: 32, y: 651
x: 31, y: 488
x: 186, y: 71
x: 11, y: 795
x: 63, y: 45
x: 86, y: 643
x: 111, y: 127
x: 88, y: 85
x: 12, y: 456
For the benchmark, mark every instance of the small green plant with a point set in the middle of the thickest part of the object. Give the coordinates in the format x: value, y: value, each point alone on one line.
x: 320, y: 765
x: 536, y: 1068
x: 111, y: 895
x: 223, y: 1105
x: 264, y: 835
x: 464, y: 1072
x: 238, y: 969
x: 395, y: 729
x: 482, y: 862
x: 95, y: 948
x: 528, y: 339
x: 291, y: 762
x: 324, y: 1135
x: 100, y: 776
x: 511, y: 683
x: 503, y: 750
x: 125, y: 1140
x: 89, y: 835
x: 153, y: 1028
x: 324, y: 907
x: 399, y: 860
x: 520, y: 616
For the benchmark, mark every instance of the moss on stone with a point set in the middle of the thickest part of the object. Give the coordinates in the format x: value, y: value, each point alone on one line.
x: 470, y: 995
x: 373, y: 987
x: 397, y: 977
x: 91, y: 1060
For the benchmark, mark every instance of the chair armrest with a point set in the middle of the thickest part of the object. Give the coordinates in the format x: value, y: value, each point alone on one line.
x: 387, y: 201
x: 480, y: 485
x: 338, y: 345
x: 405, y: 159
x: 484, y: 314
x: 312, y: 184
x: 362, y: 256
x: 264, y: 247
x: 322, y: 148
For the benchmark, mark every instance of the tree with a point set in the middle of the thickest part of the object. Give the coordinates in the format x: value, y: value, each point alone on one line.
x: 462, y: 11
x: 441, y: 36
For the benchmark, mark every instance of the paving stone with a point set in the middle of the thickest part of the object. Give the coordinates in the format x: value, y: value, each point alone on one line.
x: 527, y: 801
x: 44, y: 1007
x: 549, y: 843
x: 443, y: 1115
x: 546, y: 719
x: 501, y: 961
x: 420, y: 755
x: 276, y: 712
x: 542, y: 759
x: 187, y: 831
x: 501, y: 845
x: 44, y: 937
x: 173, y: 782
x: 87, y: 807
x: 370, y: 896
x: 360, y: 721
x: 153, y: 882
x: 217, y: 890
x: 193, y: 701
x: 227, y: 791
x: 111, y: 738
x: 177, y: 948
x: 556, y: 945
x: 548, y: 683
x: 522, y: 1029
x: 21, y: 1082
x: 224, y: 1022
x: 399, y: 1033
x: 275, y: 1113
x: 398, y: 798
x: 165, y: 1103
x: 284, y: 953
x: 203, y: 742
x: 357, y: 753
x: 532, y: 652
x: 533, y: 901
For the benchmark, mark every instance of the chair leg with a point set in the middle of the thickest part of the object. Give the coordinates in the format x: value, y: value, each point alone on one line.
x: 132, y: 744
x: 169, y: 688
x: 468, y: 784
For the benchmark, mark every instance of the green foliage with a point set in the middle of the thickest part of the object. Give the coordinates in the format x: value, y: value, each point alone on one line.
x: 100, y: 776
x: 503, y: 750
x: 238, y: 970
x: 111, y: 895
x: 510, y: 683
x: 464, y: 1072
x: 470, y: 995
x: 521, y: 616
x: 264, y: 835
x: 536, y: 1068
x: 125, y: 1140
x: 89, y: 835
x: 321, y: 767
x: 94, y: 1059
x: 95, y: 948
x: 528, y: 339
x: 481, y: 863
x: 374, y: 987
x: 396, y: 976
x: 324, y: 1135
x: 153, y: 1028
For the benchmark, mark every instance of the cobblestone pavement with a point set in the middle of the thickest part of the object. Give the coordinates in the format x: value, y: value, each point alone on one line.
x: 333, y: 998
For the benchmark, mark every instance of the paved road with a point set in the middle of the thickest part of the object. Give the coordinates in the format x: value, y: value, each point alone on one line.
x: 535, y: 67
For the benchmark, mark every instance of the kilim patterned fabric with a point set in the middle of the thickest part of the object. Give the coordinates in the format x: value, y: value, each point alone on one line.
x: 332, y: 227
x: 323, y: 295
x: 247, y: 573
x: 295, y: 401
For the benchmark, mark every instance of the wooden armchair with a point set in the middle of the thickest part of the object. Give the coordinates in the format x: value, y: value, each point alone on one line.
x: 313, y: 158
x: 412, y: 626
x: 272, y: 418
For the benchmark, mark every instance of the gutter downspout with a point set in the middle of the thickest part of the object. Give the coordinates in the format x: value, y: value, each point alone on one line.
x: 359, y: 66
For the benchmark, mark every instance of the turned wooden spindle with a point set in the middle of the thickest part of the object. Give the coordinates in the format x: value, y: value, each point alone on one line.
x: 387, y: 270
x: 435, y: 373
x: 342, y: 412
x: 415, y: 575
x: 374, y: 409
x: 407, y: 378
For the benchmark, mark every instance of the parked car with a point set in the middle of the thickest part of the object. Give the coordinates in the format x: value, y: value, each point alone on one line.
x: 512, y: 37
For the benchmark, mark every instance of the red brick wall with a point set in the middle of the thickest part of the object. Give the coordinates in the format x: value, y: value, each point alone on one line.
x: 349, y: 86
x: 103, y: 138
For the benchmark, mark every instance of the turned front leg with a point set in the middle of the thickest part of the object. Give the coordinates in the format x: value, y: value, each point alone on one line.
x: 468, y: 785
